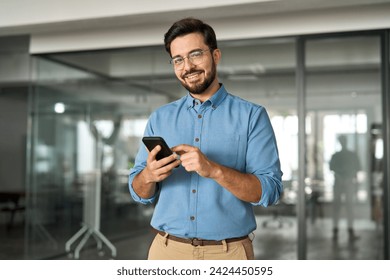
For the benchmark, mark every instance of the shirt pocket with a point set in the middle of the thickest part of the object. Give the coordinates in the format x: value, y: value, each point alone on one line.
x: 225, y: 151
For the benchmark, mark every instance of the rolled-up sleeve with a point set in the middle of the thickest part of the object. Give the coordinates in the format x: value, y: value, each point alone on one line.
x: 139, y: 165
x: 134, y: 172
x: 263, y: 158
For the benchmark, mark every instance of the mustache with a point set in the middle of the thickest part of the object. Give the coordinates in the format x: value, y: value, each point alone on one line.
x: 191, y: 72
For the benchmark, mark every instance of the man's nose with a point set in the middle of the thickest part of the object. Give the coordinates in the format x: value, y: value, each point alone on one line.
x: 188, y: 64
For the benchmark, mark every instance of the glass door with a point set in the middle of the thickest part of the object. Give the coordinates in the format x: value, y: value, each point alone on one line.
x: 343, y: 148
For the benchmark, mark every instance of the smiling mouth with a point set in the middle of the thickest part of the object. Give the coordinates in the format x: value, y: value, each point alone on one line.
x: 192, y: 76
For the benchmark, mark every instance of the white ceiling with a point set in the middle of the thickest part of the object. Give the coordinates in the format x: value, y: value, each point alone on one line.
x: 20, y: 17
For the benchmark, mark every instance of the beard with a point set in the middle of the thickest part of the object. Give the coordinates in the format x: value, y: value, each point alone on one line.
x: 200, y: 87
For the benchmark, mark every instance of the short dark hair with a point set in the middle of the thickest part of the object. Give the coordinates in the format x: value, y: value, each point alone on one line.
x: 190, y: 25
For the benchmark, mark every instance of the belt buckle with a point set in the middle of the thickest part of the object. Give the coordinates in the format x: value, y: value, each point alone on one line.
x: 196, y: 242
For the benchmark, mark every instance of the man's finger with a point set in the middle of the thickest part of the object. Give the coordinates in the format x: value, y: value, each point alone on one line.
x: 183, y: 148
x: 153, y: 153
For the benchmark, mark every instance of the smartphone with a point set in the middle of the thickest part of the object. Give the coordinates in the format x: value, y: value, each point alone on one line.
x: 152, y: 141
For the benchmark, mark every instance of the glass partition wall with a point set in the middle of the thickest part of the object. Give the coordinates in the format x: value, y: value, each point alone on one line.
x: 88, y: 112
x: 344, y: 148
x: 85, y: 135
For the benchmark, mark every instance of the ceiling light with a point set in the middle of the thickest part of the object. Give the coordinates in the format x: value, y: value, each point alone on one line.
x: 59, y: 108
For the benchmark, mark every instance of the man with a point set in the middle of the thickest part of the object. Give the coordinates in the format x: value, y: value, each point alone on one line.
x: 345, y: 164
x: 225, y: 159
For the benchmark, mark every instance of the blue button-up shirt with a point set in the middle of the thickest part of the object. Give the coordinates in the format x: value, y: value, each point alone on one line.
x: 230, y: 131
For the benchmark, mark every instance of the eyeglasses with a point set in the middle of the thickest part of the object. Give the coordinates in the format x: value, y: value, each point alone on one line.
x: 195, y: 57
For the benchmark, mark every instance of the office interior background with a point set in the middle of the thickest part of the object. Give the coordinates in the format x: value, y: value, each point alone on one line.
x: 78, y: 80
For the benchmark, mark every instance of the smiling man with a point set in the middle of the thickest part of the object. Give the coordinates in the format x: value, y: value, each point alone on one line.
x: 225, y: 159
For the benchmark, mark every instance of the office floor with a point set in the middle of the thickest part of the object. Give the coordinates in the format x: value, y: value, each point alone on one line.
x: 271, y: 242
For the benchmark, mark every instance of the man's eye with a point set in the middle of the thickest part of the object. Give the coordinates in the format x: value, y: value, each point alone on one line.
x: 178, y: 60
x: 195, y: 54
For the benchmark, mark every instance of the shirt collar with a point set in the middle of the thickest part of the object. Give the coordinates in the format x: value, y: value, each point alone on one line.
x: 214, y: 100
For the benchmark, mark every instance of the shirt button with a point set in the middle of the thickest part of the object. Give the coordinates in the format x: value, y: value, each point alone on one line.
x: 192, y: 218
x: 199, y: 116
x: 197, y: 139
x: 193, y: 191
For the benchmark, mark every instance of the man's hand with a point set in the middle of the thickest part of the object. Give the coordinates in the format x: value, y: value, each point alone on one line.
x: 144, y: 183
x: 246, y: 187
x: 157, y: 170
x: 193, y: 160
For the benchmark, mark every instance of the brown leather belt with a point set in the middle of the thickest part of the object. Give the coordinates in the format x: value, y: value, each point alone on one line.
x: 200, y: 242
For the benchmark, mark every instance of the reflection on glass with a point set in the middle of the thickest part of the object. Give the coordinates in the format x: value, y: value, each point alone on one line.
x: 343, y: 100
x: 72, y: 167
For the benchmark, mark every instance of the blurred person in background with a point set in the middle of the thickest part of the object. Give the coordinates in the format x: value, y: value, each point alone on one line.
x: 345, y: 165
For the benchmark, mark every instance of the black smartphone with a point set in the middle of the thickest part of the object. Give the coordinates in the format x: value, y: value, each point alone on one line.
x: 152, y: 141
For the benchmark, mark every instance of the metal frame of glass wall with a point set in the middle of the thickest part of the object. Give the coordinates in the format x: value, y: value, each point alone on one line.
x: 385, y: 60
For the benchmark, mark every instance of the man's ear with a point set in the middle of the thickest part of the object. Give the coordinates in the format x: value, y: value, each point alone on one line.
x: 217, y: 55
